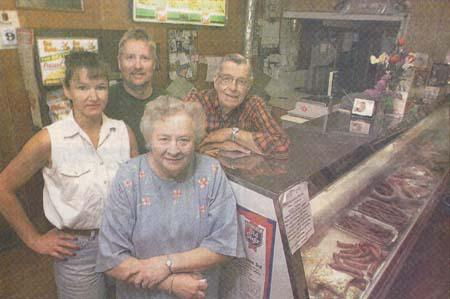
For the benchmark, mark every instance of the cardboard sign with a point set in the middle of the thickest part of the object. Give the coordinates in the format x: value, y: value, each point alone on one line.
x: 254, y: 273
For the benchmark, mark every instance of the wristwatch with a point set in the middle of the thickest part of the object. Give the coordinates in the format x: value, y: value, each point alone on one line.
x: 169, y: 264
x: 234, y: 132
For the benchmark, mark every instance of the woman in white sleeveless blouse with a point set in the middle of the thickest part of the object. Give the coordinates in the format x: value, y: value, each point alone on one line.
x: 78, y: 156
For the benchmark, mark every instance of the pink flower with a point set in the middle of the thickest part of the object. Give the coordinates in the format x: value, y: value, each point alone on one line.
x: 202, y: 209
x: 128, y: 183
x: 203, y: 182
x: 176, y: 193
x: 146, y: 200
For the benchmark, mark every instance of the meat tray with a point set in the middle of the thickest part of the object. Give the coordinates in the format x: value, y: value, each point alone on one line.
x: 371, y: 238
x: 392, y: 215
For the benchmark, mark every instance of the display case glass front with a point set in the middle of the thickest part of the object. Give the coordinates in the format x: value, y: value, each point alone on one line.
x: 366, y: 222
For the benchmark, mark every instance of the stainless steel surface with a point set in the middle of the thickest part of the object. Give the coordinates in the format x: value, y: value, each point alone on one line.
x: 249, y: 28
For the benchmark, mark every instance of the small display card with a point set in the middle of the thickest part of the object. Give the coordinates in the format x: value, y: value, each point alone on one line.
x: 9, y: 36
x: 359, y: 126
x: 363, y: 107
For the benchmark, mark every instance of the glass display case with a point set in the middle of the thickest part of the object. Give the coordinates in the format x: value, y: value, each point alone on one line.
x: 339, y: 216
x: 367, y: 221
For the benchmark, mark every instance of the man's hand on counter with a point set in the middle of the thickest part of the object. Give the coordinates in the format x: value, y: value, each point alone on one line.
x: 213, y: 149
x: 217, y: 136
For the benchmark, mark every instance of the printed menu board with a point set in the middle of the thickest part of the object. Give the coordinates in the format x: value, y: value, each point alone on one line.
x: 52, y: 51
x: 196, y: 12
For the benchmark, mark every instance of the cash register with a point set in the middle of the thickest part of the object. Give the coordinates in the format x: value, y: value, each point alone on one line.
x: 313, y: 106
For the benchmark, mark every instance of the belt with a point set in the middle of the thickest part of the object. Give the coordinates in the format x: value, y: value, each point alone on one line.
x: 81, y: 232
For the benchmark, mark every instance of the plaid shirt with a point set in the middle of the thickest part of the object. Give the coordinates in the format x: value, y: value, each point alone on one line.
x: 251, y: 116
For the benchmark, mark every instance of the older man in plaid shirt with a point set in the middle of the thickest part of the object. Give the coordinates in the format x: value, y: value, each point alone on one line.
x: 235, y: 120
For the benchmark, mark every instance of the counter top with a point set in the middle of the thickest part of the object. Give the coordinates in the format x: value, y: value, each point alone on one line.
x: 322, y: 150
x: 318, y: 154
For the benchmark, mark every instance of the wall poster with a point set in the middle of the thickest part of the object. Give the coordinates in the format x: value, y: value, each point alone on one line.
x: 51, y: 52
x: 195, y: 12
x: 251, y: 277
x: 183, y: 55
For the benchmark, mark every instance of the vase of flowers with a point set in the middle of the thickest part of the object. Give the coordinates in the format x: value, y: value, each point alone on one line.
x: 394, y: 68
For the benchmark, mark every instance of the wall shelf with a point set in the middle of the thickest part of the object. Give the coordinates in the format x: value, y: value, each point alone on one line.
x: 342, y: 17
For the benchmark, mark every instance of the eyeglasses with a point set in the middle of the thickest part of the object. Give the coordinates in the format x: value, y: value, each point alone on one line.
x: 227, y: 80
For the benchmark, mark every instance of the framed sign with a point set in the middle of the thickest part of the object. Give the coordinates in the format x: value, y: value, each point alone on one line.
x: 76, y: 5
x: 51, y: 53
x: 196, y: 12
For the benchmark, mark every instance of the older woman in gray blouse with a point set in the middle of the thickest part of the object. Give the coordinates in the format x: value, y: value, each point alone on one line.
x: 171, y: 214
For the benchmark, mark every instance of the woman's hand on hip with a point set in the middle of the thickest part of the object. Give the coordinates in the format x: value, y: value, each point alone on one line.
x: 55, y: 243
x: 189, y: 286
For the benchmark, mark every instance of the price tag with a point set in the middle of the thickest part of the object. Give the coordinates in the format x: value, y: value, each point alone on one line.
x: 9, y: 36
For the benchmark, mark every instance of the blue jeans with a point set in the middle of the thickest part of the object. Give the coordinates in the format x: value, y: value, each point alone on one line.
x: 76, y: 277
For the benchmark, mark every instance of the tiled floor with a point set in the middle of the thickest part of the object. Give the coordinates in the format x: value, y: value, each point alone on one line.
x: 425, y: 275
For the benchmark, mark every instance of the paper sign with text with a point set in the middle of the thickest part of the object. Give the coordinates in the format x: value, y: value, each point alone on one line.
x: 297, y: 215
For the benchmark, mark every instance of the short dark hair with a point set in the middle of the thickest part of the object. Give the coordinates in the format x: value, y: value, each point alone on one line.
x: 74, y: 61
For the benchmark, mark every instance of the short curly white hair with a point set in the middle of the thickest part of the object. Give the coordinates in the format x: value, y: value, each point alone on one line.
x: 166, y: 106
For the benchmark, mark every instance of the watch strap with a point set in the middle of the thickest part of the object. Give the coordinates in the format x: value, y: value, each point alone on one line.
x: 234, y: 132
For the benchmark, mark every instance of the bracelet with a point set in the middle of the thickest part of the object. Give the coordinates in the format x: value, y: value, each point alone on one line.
x: 171, y: 284
x: 234, y: 132
x: 169, y: 264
